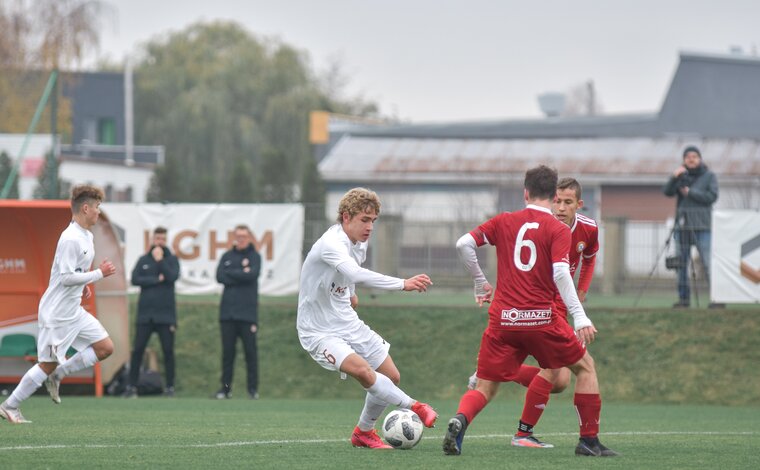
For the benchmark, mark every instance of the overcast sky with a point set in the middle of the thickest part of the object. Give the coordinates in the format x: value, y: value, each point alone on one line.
x: 441, y: 60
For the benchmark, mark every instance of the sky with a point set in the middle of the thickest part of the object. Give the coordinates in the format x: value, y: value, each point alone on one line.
x: 473, y: 60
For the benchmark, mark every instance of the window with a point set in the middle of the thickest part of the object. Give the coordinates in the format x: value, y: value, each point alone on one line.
x: 106, y: 131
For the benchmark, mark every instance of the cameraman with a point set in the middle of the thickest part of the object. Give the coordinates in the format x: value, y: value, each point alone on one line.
x: 697, y: 190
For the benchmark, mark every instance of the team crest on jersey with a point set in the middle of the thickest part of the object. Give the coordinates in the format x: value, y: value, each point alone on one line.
x: 580, y: 246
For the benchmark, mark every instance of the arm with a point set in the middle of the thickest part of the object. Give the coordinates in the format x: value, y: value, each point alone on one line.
x: 707, y: 195
x: 584, y: 279
x: 358, y: 275
x: 80, y: 279
x: 140, y: 279
x: 671, y: 187
x: 583, y: 326
x: 466, y: 246
x: 169, y: 267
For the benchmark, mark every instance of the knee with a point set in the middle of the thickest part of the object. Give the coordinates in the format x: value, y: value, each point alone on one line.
x: 104, y: 350
x: 365, y: 375
x: 395, y: 377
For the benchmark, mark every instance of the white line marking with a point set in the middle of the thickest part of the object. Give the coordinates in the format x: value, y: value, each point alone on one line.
x: 329, y: 441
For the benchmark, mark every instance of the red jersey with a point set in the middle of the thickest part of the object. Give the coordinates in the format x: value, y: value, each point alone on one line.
x: 584, y: 242
x: 528, y: 243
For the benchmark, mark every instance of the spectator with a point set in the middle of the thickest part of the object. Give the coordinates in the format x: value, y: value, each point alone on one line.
x: 696, y: 189
x: 239, y: 271
x: 155, y: 272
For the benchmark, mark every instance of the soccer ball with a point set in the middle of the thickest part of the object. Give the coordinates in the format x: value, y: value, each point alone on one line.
x: 402, y: 429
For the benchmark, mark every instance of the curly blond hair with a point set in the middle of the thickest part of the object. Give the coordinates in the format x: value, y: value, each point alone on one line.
x: 358, y: 200
x: 85, y: 194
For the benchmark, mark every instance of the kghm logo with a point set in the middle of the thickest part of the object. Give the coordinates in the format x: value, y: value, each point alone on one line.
x: 12, y: 266
x: 513, y: 315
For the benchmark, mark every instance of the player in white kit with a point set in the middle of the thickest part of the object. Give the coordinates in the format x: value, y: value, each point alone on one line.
x: 62, y: 321
x: 328, y: 326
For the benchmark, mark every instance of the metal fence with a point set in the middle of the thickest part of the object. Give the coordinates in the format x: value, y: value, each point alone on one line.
x: 632, y: 256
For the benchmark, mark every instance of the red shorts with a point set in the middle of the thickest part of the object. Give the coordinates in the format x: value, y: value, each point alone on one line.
x: 502, y: 352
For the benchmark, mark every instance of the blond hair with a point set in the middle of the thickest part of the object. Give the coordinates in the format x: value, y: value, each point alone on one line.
x: 358, y: 200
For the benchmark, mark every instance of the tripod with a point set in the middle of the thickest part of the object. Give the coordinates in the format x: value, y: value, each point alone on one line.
x: 665, y: 247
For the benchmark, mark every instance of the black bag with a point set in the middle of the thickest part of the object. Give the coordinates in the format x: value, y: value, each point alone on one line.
x: 673, y: 263
x: 148, y: 382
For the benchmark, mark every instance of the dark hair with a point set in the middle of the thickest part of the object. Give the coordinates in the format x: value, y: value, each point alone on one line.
x: 541, y: 182
x: 691, y: 148
x: 571, y: 183
x: 84, y: 194
x: 242, y: 227
x: 159, y: 230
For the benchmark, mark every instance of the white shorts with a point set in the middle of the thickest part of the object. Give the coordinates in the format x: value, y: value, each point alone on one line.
x: 53, y: 343
x: 331, y: 351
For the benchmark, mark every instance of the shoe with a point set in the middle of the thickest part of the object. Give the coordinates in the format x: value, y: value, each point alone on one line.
x: 368, y: 439
x: 53, y: 385
x: 591, y: 447
x: 169, y: 392
x: 223, y: 394
x: 426, y: 413
x: 253, y: 394
x: 472, y: 382
x: 452, y: 440
x: 681, y: 304
x: 530, y: 441
x: 716, y: 305
x: 12, y: 415
x: 130, y: 392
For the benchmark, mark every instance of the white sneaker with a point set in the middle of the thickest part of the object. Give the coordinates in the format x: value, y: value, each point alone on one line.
x: 12, y: 415
x: 53, y: 384
x: 472, y: 382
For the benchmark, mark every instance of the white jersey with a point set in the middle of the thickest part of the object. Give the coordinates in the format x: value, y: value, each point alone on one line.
x: 60, y: 304
x: 324, y: 298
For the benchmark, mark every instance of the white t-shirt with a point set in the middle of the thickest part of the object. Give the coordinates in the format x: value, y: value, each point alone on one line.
x: 60, y: 304
x: 324, y: 298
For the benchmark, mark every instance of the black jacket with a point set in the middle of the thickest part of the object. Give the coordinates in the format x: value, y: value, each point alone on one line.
x: 694, y: 212
x: 157, y: 303
x: 240, y: 299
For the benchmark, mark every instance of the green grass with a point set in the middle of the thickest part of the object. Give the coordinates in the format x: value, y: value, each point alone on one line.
x: 695, y: 356
x: 273, y: 433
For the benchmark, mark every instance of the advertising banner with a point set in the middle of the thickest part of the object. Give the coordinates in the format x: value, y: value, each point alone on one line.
x: 735, y: 256
x: 199, y: 234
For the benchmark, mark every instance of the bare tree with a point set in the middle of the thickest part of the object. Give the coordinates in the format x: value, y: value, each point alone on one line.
x: 581, y: 100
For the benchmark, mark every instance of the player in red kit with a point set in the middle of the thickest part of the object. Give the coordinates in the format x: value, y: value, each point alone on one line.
x: 532, y: 249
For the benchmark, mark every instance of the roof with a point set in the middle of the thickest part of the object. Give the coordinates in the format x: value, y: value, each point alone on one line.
x: 447, y: 160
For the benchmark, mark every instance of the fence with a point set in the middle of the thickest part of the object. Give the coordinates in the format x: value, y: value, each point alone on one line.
x: 632, y: 256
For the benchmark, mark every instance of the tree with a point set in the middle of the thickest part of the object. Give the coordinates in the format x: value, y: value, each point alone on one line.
x: 6, y: 166
x: 275, y: 182
x: 47, y: 188
x: 581, y: 100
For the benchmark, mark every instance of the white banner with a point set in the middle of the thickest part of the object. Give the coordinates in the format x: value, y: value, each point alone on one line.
x: 735, y: 256
x: 199, y: 234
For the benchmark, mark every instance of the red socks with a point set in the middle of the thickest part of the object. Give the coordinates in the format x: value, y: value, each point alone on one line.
x: 535, y: 401
x: 589, y: 407
x: 471, y: 403
x: 525, y: 375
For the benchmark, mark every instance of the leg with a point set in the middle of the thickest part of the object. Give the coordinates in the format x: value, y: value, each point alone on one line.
x: 228, y: 354
x: 30, y: 382
x: 166, y: 335
x: 684, y: 254
x: 373, y: 406
x: 703, y: 239
x: 247, y: 333
x: 536, y: 399
x: 375, y: 383
x: 142, y: 335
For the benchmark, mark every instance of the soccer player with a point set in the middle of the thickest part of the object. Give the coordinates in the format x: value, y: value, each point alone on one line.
x: 329, y: 327
x: 532, y: 256
x: 584, y: 245
x: 63, y: 323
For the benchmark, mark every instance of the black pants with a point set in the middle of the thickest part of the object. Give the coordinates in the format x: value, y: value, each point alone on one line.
x: 142, y: 335
x: 231, y: 331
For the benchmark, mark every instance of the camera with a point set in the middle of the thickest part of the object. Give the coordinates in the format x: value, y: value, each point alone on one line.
x: 673, y: 263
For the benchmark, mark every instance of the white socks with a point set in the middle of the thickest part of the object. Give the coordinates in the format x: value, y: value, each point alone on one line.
x: 81, y: 360
x: 30, y: 382
x: 385, y: 390
x: 373, y: 408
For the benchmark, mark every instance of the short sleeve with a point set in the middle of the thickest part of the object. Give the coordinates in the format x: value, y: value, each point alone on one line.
x: 593, y: 243
x: 487, y: 232
x: 561, y: 239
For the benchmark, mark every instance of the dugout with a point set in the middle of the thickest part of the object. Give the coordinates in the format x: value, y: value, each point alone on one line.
x: 29, y: 232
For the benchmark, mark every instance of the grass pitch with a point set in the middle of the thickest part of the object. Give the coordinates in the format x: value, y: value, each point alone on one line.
x: 276, y: 433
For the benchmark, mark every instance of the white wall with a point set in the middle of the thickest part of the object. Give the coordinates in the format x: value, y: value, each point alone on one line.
x: 101, y: 174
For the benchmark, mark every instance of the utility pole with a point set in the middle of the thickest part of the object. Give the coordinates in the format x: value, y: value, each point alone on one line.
x: 52, y: 163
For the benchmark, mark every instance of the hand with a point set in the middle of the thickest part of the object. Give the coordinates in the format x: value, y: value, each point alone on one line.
x: 107, y: 268
x: 246, y: 269
x: 586, y: 335
x: 86, y: 292
x: 679, y: 171
x: 161, y: 277
x: 420, y: 283
x: 684, y: 191
x: 483, y: 292
x: 245, y: 262
x: 354, y: 301
x: 582, y: 295
x: 157, y: 253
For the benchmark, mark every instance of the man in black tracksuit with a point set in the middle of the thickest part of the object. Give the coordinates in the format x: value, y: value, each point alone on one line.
x: 155, y: 272
x: 239, y: 271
